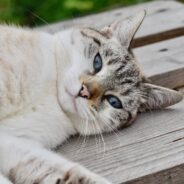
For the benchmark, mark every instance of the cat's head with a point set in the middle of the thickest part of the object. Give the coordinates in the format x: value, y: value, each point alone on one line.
x: 101, y: 88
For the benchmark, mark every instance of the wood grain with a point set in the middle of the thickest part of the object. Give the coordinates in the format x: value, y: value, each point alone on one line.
x: 151, y: 150
x: 164, y: 20
x: 149, y: 39
x: 163, y: 62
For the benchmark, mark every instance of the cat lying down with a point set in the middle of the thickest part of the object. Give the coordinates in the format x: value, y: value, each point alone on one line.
x: 51, y: 86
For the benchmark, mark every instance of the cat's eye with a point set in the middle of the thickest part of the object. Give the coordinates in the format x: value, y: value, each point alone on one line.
x: 114, y: 101
x: 97, y: 63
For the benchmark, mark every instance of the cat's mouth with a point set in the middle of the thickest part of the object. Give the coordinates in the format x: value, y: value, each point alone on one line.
x: 73, y: 99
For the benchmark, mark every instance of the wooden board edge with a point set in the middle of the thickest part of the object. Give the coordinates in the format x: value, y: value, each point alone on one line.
x: 150, y: 39
x: 171, y: 79
x: 172, y: 175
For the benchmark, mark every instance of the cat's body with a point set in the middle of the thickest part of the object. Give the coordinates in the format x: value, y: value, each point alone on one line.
x: 28, y: 87
x: 49, y: 91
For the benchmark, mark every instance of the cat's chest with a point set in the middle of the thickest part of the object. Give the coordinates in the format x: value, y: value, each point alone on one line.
x: 44, y: 122
x: 27, y: 70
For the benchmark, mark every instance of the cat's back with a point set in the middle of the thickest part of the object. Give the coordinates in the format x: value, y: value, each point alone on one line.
x: 21, y: 61
x: 14, y: 38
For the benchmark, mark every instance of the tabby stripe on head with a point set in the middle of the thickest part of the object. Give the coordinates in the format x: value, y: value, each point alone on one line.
x: 127, y: 81
x: 114, y: 61
x: 95, y: 39
x: 108, y: 52
x: 90, y: 50
x: 129, y: 118
x: 120, y: 68
x: 101, y: 34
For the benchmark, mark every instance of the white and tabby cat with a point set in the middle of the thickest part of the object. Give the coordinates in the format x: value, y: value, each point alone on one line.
x: 52, y: 86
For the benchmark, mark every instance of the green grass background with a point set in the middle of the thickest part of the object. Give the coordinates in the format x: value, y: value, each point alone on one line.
x: 37, y: 12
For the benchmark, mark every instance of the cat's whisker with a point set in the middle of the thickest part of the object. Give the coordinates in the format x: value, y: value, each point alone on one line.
x: 96, y: 139
x: 94, y: 126
x: 106, y: 120
x: 37, y: 16
x: 98, y: 129
x: 84, y: 139
x: 85, y: 121
x: 80, y: 136
x: 98, y: 136
x: 115, y: 131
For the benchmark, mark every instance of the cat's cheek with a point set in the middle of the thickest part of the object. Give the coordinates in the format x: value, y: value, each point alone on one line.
x: 66, y: 102
x: 82, y: 106
x: 71, y: 82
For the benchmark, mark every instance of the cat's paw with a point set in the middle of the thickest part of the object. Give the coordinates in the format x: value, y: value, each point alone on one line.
x: 80, y: 175
x: 54, y: 178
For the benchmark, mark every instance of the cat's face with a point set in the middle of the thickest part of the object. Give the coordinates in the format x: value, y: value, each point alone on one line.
x: 103, y: 88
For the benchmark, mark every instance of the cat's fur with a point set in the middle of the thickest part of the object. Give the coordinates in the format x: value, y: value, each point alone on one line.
x: 40, y: 107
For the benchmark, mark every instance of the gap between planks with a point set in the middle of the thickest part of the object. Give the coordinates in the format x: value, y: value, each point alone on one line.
x: 163, y: 62
x: 145, y: 40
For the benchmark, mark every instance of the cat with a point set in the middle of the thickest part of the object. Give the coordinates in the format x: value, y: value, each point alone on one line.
x: 53, y: 86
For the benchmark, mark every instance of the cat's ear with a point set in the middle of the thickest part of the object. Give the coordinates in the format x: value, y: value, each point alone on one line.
x: 157, y: 97
x: 125, y: 29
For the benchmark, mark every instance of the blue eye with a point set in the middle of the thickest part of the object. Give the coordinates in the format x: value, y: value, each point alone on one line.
x: 97, y: 64
x: 114, y: 101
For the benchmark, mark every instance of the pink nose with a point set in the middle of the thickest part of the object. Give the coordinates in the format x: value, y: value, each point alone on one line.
x: 84, y: 92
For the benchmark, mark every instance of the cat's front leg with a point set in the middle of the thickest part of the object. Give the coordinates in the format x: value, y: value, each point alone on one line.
x: 26, y: 162
x: 41, y: 173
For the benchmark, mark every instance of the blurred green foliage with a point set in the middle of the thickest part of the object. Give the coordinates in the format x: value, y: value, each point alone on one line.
x: 37, y: 12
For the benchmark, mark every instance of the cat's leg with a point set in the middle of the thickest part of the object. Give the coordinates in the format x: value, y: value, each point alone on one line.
x: 26, y: 162
x: 4, y: 180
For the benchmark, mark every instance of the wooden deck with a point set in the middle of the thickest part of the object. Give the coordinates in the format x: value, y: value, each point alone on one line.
x: 151, y: 151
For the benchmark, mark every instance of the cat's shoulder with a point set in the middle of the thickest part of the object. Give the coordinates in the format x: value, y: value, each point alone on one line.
x: 16, y: 30
x: 13, y: 28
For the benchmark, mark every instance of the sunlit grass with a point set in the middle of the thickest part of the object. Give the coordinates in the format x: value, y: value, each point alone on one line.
x: 37, y: 12
x: 80, y: 5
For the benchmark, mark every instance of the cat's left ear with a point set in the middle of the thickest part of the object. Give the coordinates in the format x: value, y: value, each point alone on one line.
x: 157, y: 97
x: 125, y: 29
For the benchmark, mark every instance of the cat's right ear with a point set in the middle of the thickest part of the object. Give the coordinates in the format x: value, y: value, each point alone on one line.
x: 124, y: 29
x: 157, y: 97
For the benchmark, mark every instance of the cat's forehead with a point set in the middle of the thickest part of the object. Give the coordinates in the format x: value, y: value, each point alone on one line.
x: 108, y: 47
x: 99, y: 38
x: 123, y: 76
x: 120, y: 67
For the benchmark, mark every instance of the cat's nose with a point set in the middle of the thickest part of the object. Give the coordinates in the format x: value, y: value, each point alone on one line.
x: 84, y: 92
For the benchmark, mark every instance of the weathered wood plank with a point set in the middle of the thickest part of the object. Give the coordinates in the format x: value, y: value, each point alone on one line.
x: 152, y: 38
x: 161, y: 17
x: 172, y: 175
x: 150, y: 151
x: 163, y: 62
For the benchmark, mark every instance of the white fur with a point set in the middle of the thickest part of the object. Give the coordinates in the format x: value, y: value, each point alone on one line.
x: 32, y: 95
